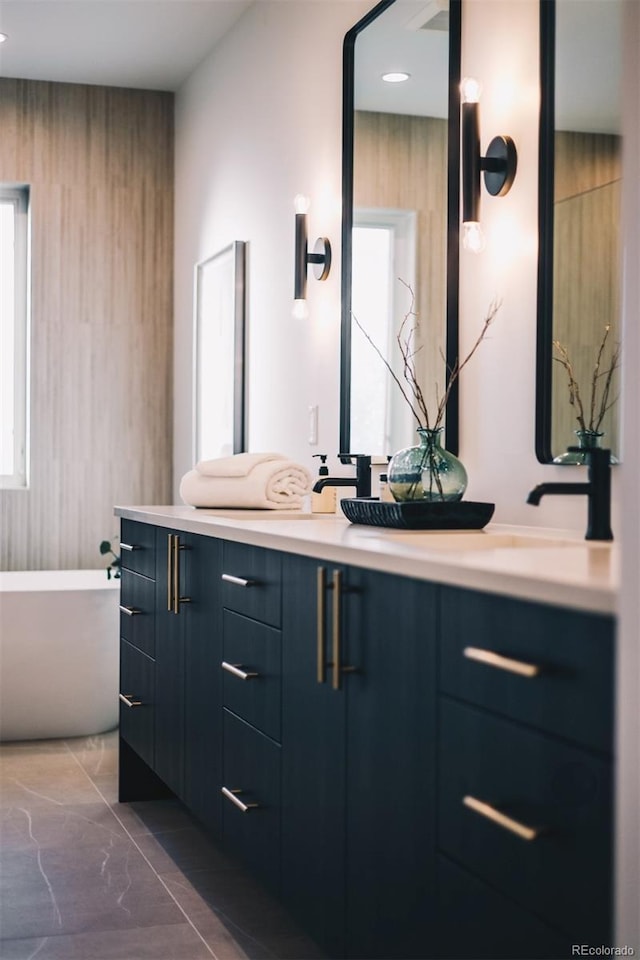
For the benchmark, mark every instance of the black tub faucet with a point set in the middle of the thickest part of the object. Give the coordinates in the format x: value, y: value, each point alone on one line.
x: 361, y: 481
x: 597, y: 489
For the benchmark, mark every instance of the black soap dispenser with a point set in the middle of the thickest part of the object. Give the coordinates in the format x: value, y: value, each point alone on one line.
x: 325, y: 501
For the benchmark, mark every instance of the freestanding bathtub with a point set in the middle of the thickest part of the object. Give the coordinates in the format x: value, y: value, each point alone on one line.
x: 58, y: 653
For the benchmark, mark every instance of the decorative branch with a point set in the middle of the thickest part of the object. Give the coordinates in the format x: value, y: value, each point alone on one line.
x: 411, y: 389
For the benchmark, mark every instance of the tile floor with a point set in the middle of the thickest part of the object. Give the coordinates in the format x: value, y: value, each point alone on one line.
x: 83, y: 877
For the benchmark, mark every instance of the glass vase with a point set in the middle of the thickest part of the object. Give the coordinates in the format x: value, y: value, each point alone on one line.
x: 587, y: 440
x: 427, y: 471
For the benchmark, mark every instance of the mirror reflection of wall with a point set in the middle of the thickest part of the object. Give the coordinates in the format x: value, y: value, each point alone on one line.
x: 400, y: 216
x: 586, y: 216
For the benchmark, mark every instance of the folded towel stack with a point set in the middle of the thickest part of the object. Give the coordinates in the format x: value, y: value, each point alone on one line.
x: 266, y: 481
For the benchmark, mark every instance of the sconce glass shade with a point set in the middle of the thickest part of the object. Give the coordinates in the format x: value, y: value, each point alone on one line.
x: 473, y: 237
x: 470, y: 90
x: 301, y: 203
x: 300, y: 310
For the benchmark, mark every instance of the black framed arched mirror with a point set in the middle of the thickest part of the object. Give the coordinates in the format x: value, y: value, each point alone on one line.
x: 400, y: 192
x: 579, y: 223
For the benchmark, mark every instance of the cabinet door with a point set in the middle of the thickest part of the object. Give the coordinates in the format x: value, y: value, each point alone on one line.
x: 390, y: 644
x: 202, y: 717
x: 137, y: 708
x: 313, y: 759
x: 172, y: 570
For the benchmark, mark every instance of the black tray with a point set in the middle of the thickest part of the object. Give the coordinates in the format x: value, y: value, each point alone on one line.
x: 418, y: 514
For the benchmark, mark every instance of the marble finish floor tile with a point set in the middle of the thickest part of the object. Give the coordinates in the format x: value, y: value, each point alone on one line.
x: 176, y: 942
x: 83, y: 877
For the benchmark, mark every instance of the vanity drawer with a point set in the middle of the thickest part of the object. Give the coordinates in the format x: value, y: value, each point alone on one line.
x: 137, y: 695
x: 562, y: 874
x: 251, y: 780
x: 138, y: 547
x: 475, y: 922
x: 565, y: 659
x: 137, y: 613
x: 252, y: 582
x: 251, y: 671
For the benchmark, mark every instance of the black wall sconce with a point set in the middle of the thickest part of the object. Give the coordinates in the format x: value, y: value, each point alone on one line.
x: 320, y: 258
x: 499, y: 166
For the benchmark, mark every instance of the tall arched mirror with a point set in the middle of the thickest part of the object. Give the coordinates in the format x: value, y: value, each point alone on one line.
x: 580, y: 239
x: 401, y: 133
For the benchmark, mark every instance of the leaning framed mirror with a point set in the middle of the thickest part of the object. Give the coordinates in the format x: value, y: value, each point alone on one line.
x: 578, y: 348
x: 400, y: 192
x: 219, y: 353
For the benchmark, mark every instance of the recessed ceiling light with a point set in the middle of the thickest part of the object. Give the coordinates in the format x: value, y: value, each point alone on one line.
x: 397, y: 77
x: 3, y: 37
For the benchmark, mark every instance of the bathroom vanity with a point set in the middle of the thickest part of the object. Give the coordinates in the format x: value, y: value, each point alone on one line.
x: 407, y: 736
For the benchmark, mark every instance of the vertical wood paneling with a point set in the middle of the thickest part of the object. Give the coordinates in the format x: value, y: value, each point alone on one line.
x: 400, y: 161
x: 100, y: 164
x: 587, y: 271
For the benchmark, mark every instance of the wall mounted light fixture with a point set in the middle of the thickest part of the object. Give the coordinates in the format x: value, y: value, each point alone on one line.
x: 320, y: 257
x: 499, y: 166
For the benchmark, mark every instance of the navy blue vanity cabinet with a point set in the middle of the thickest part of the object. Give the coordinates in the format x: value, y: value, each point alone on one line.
x: 173, y: 583
x: 202, y: 693
x: 525, y: 775
x: 250, y: 670
x: 137, y: 638
x: 358, y: 785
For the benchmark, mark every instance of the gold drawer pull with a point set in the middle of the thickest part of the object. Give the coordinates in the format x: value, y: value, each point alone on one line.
x: 238, y: 581
x: 501, y: 819
x: 127, y: 699
x: 130, y: 611
x: 129, y: 547
x: 231, y: 795
x: 234, y: 668
x: 492, y: 659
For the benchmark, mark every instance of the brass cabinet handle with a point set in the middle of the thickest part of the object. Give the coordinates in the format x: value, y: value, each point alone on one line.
x: 129, y: 546
x: 501, y: 819
x: 231, y: 795
x: 235, y: 669
x: 170, y: 572
x: 321, y: 622
x: 127, y: 699
x: 176, y: 574
x: 130, y: 611
x: 238, y: 581
x: 492, y: 659
x: 335, y: 622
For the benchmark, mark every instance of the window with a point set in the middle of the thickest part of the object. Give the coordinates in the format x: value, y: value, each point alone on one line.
x: 14, y: 325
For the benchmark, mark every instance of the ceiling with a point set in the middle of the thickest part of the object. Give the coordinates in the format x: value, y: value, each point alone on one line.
x: 145, y: 44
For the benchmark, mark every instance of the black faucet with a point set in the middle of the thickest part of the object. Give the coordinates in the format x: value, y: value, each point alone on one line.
x: 361, y: 481
x: 597, y: 489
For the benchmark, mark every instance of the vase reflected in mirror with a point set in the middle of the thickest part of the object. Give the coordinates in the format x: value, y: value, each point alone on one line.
x: 587, y: 440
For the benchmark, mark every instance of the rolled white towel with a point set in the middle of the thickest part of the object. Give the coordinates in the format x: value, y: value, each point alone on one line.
x: 270, y: 483
x: 239, y: 465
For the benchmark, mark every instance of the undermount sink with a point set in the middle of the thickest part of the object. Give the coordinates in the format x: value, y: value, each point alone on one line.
x: 463, y: 541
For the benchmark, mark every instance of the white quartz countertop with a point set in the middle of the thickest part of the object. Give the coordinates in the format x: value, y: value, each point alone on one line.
x: 549, y: 566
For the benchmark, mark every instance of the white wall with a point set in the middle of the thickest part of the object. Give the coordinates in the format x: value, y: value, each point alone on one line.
x: 257, y: 123
x: 628, y: 659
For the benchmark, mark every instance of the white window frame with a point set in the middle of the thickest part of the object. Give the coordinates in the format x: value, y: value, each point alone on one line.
x: 16, y: 357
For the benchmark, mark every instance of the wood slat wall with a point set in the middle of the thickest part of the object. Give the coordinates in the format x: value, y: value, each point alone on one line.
x: 99, y: 162
x: 586, y: 271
